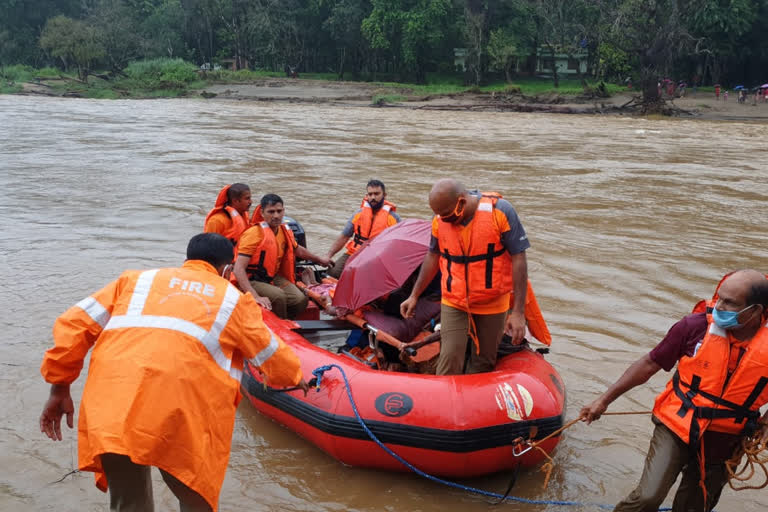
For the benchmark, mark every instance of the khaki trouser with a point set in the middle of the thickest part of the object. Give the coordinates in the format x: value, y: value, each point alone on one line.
x: 286, y: 298
x: 130, y: 487
x: 667, y: 457
x: 454, y: 329
x: 338, y: 267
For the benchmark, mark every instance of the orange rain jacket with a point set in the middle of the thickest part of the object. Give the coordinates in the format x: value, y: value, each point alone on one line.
x: 164, y: 377
x: 701, y: 396
x: 368, y: 224
x: 238, y: 224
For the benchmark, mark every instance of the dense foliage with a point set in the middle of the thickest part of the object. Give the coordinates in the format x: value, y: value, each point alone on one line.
x: 705, y: 41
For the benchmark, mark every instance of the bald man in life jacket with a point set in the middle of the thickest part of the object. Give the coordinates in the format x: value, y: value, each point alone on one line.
x: 478, y: 244
x: 712, y: 401
x: 374, y: 216
x: 229, y: 216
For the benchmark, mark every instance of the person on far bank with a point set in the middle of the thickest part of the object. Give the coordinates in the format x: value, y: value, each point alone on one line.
x: 479, y: 244
x: 374, y: 216
x: 266, y: 260
x: 164, y: 378
x: 712, y: 401
x: 229, y: 216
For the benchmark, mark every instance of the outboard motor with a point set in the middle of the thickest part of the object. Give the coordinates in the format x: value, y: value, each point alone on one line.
x: 298, y: 231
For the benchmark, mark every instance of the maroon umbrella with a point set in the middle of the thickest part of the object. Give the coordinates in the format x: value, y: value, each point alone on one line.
x: 383, y: 264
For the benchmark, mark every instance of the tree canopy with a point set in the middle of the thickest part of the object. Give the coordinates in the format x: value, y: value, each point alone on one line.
x: 708, y: 40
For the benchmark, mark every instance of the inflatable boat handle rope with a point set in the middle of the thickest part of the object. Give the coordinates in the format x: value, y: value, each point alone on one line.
x: 318, y: 373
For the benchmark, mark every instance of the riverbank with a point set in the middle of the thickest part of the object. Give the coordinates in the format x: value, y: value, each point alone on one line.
x: 701, y: 105
x: 695, y: 105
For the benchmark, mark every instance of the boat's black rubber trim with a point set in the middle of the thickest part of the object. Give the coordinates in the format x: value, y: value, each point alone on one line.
x: 457, y: 441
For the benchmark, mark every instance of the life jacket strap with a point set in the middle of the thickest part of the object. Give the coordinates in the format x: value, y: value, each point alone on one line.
x: 258, y: 272
x: 739, y: 412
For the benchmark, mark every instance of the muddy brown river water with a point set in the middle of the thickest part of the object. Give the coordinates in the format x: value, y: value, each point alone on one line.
x: 631, y: 221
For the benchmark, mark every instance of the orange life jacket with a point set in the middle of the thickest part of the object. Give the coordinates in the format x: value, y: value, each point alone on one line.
x: 164, y: 377
x: 702, y: 396
x: 368, y: 224
x: 533, y: 317
x: 263, y: 263
x: 482, y: 271
x: 239, y: 223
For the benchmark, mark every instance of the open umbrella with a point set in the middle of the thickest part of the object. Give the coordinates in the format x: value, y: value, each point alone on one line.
x: 383, y: 264
x: 764, y: 86
x: 738, y: 87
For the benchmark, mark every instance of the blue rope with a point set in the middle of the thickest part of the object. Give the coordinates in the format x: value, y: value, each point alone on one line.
x: 318, y: 373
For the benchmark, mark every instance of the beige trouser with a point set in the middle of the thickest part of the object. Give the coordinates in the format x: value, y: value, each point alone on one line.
x: 454, y: 329
x: 667, y: 457
x: 286, y: 298
x: 130, y: 487
x: 338, y: 267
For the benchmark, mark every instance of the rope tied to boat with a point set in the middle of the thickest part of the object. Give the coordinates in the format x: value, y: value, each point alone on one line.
x: 318, y: 373
x: 548, y: 466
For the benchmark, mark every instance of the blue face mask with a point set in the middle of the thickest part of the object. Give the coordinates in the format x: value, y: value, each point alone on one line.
x: 728, y: 319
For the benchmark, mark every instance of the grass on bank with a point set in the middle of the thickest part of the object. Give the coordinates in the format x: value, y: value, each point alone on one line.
x: 168, y: 78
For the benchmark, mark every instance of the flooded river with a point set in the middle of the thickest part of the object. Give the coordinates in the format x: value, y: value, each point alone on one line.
x: 631, y: 221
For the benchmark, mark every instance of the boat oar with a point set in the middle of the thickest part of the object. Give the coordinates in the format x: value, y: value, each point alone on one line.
x: 380, y: 335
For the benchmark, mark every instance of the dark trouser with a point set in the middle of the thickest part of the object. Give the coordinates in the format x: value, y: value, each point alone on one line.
x: 667, y: 456
x: 338, y: 267
x: 130, y: 487
x: 286, y: 298
x: 454, y: 335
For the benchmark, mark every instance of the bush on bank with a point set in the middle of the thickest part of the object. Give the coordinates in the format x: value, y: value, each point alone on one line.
x: 161, y: 73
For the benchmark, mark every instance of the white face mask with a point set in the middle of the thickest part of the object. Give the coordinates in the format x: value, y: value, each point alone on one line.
x: 227, y: 270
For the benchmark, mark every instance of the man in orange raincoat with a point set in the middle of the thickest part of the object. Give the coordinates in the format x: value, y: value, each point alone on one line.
x: 164, y: 377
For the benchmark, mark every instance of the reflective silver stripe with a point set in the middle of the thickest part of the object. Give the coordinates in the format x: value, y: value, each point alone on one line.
x: 366, y: 204
x: 95, y: 310
x: 157, y: 322
x: 261, y: 358
x: 264, y: 224
x: 141, y: 292
x: 717, y: 331
x: 211, y: 338
x: 485, y: 207
x: 386, y: 208
x: 236, y: 374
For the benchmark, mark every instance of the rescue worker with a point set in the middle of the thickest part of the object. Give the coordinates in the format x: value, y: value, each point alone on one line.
x: 710, y: 403
x: 479, y: 244
x: 266, y: 260
x: 229, y: 216
x: 164, y: 378
x: 374, y: 216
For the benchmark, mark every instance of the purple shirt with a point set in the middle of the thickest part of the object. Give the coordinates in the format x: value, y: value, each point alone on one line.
x: 681, y: 340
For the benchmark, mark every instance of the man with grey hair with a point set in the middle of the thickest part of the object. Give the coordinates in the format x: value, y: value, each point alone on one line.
x: 711, y: 403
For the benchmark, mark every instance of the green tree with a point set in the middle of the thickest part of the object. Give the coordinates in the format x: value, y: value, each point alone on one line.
x: 74, y: 42
x: 118, y: 32
x: 721, y: 27
x: 503, y: 51
x: 411, y: 29
x: 343, y: 24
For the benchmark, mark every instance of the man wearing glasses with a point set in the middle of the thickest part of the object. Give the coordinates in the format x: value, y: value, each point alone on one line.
x: 479, y: 244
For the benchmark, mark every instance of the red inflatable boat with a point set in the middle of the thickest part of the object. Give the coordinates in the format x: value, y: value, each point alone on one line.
x: 451, y: 426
